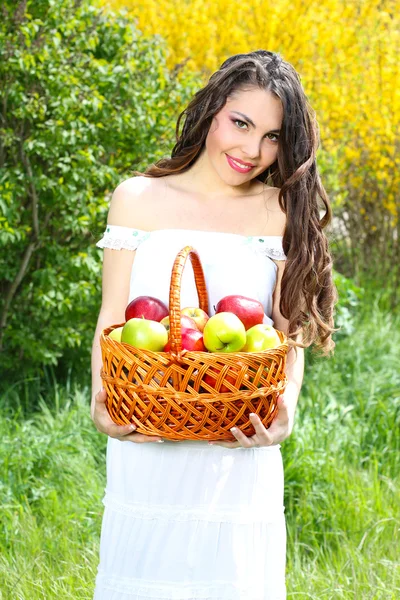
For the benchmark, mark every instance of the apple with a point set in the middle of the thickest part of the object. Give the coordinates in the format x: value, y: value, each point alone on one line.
x: 192, y: 339
x: 145, y: 334
x: 211, y: 377
x: 147, y: 307
x: 186, y: 323
x: 224, y: 332
x: 115, y: 334
x: 261, y: 337
x: 199, y: 316
x: 264, y: 374
x: 249, y: 311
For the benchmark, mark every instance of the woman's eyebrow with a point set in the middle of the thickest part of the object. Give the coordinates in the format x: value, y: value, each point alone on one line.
x: 251, y: 122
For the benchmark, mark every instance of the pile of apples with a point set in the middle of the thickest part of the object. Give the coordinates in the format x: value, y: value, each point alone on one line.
x: 237, y: 326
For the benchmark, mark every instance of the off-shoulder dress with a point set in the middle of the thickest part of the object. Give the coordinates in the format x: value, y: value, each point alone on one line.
x: 189, y: 521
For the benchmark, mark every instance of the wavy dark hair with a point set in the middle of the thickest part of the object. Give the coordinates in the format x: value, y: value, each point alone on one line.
x: 308, y: 294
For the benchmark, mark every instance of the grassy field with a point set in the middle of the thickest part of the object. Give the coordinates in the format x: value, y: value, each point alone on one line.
x: 342, y: 481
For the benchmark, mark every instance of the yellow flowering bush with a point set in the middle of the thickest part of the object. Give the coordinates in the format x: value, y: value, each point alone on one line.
x: 346, y: 54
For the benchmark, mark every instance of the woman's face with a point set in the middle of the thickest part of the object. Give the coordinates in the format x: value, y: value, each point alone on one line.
x: 243, y: 138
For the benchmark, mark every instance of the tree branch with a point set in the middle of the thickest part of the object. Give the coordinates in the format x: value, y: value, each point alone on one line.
x: 13, y: 288
x: 34, y: 198
x: 32, y: 246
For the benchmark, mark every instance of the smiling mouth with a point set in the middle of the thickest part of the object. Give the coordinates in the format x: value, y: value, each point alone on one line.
x: 238, y: 166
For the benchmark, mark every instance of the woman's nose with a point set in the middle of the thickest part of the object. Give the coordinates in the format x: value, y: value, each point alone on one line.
x: 252, y: 149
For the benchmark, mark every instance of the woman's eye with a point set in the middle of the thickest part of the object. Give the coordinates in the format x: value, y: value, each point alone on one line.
x: 238, y: 123
x: 242, y: 122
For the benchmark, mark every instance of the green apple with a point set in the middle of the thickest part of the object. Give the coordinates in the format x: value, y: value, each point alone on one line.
x: 261, y: 337
x: 115, y: 334
x: 145, y: 334
x: 224, y: 332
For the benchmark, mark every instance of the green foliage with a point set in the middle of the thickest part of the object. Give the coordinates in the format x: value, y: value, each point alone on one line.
x: 86, y: 100
x: 349, y: 298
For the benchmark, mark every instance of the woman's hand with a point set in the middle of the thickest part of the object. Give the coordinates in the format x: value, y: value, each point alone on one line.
x: 280, y: 428
x: 105, y: 424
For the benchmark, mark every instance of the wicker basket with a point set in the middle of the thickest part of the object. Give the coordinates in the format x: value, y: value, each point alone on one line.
x: 164, y: 393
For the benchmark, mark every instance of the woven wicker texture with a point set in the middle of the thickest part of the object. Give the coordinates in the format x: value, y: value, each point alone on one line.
x: 165, y: 393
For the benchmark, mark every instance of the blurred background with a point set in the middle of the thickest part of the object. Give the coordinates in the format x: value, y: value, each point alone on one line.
x: 89, y: 92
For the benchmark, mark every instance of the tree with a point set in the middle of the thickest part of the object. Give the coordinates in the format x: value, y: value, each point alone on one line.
x: 85, y: 100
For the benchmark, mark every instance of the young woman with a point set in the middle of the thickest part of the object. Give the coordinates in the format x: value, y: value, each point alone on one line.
x: 193, y: 520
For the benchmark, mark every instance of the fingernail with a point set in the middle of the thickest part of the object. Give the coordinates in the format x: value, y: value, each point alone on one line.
x: 252, y: 414
x: 133, y: 427
x: 160, y: 441
x: 234, y: 430
x: 211, y: 443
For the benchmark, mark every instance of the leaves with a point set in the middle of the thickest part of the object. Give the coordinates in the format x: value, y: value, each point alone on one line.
x: 80, y: 97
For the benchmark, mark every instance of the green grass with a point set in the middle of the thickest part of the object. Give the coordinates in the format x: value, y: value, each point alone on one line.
x: 53, y: 474
x: 342, y: 482
x: 342, y: 470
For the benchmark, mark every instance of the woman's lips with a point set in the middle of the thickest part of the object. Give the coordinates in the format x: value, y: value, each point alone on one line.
x: 236, y: 167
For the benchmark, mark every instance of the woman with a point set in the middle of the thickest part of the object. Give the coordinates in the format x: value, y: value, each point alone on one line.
x: 193, y: 520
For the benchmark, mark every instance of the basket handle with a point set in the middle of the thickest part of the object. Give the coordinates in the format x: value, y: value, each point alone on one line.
x: 175, y: 293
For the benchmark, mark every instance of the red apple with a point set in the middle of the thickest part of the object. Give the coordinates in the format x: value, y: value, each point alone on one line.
x: 192, y: 339
x: 186, y: 323
x: 249, y: 311
x: 146, y: 307
x: 199, y: 316
x: 211, y: 377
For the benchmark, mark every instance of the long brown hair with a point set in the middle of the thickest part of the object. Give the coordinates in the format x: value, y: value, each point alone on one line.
x: 308, y: 294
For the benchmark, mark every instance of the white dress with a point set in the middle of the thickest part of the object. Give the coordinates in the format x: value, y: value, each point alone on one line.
x: 185, y: 520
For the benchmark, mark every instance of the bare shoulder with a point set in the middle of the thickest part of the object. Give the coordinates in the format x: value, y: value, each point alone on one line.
x: 276, y: 216
x: 129, y: 202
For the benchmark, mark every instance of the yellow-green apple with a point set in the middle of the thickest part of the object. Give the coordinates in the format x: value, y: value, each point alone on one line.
x: 115, y: 334
x: 186, y: 323
x: 261, y: 337
x: 249, y: 311
x: 224, y: 332
x: 199, y: 316
x: 145, y: 334
x: 192, y: 339
x: 146, y: 307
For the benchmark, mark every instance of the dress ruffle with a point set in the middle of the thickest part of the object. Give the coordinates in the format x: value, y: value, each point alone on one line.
x: 191, y: 521
x: 118, y: 237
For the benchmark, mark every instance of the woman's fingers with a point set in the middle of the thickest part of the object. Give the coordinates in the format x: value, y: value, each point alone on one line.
x: 105, y: 424
x: 103, y: 421
x: 277, y: 432
x: 244, y: 441
x: 262, y: 436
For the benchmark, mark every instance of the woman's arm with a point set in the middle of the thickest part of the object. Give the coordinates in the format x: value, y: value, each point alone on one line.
x: 117, y: 266
x: 127, y: 201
